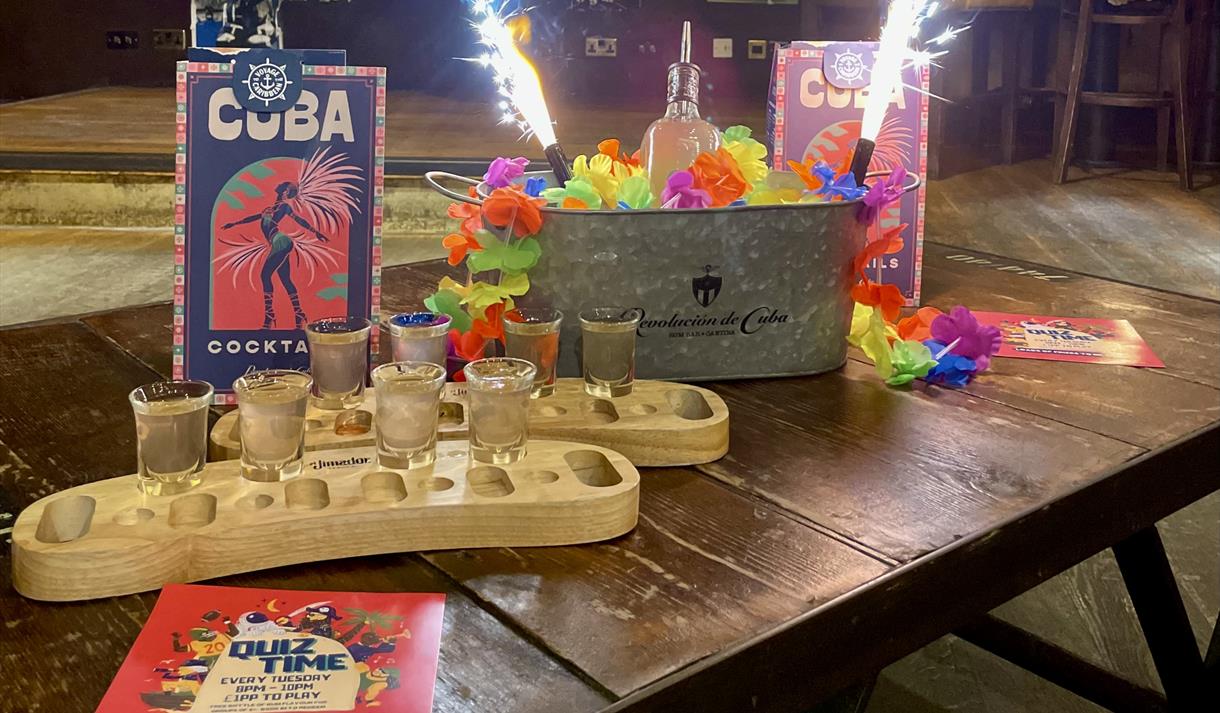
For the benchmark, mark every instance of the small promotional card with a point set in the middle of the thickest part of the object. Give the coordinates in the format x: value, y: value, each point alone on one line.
x: 234, y: 650
x: 1086, y: 341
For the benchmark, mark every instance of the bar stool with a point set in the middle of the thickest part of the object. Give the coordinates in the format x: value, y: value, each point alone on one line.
x: 1165, y: 102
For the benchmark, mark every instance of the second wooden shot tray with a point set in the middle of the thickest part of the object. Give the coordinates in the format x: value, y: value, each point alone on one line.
x: 658, y: 424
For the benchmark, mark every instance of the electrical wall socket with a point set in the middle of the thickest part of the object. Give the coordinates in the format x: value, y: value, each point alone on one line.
x: 601, y: 46
x: 722, y: 47
x: 756, y: 49
x: 169, y: 39
x: 122, y: 40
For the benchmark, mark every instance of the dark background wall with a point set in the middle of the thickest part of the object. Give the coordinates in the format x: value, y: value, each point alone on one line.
x: 53, y: 46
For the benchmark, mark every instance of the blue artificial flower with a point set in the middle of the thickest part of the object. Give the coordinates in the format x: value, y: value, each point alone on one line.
x: 534, y: 186
x: 842, y: 186
x: 738, y: 202
x: 824, y: 172
x: 951, y: 369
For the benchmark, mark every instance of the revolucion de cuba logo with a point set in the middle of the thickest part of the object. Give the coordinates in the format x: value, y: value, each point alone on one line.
x: 705, y: 288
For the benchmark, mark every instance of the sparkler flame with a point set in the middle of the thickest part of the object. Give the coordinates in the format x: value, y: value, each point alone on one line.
x: 515, y: 77
x: 902, y: 25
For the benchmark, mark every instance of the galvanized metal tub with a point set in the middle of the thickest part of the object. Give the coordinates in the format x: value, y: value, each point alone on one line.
x: 750, y: 291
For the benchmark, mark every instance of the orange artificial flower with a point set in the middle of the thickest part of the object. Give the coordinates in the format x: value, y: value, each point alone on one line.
x: 719, y: 175
x: 574, y: 204
x: 889, y: 243
x: 458, y: 244
x: 506, y: 207
x: 468, y: 346
x: 918, y: 326
x: 805, y: 171
x: 612, y: 148
x: 888, y: 297
x: 490, y: 325
x: 469, y: 213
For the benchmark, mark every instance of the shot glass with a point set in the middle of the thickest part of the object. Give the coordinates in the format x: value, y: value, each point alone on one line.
x: 171, y: 434
x: 408, y: 407
x: 420, y: 336
x: 338, y: 360
x: 534, y: 337
x: 499, y: 392
x: 607, y: 349
x: 271, y: 414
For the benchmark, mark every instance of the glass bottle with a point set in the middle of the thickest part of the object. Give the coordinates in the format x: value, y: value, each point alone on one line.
x: 672, y: 142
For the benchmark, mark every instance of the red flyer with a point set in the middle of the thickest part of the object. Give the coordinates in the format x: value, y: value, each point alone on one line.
x: 235, y: 650
x: 1086, y: 341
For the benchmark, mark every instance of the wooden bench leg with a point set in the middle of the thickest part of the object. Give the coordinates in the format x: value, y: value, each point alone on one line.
x: 1181, y: 98
x: 1162, y: 616
x: 1066, y: 140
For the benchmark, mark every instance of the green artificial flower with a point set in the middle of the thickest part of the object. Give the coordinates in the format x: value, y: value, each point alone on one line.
x: 634, y: 193
x: 748, y: 153
x: 577, y: 193
x: 868, y: 330
x: 450, y: 303
x: 911, y: 360
x: 510, y: 258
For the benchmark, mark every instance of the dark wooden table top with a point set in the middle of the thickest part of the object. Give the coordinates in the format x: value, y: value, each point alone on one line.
x: 850, y: 523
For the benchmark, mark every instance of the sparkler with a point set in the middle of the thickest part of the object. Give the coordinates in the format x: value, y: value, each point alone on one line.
x: 902, y: 25
x: 523, y: 103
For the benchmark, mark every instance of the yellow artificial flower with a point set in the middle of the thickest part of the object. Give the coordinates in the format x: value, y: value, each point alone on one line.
x: 870, y: 332
x: 778, y: 187
x: 748, y: 153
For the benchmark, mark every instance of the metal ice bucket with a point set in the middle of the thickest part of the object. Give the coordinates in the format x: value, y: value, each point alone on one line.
x: 726, y: 292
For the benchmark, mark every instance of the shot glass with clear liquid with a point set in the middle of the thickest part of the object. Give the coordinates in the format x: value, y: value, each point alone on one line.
x: 607, y: 350
x: 271, y: 417
x: 171, y: 434
x: 420, y: 336
x: 532, y: 334
x: 408, y: 408
x: 338, y: 361
x: 498, y: 390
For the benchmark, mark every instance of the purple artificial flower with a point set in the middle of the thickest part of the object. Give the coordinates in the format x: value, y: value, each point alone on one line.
x: 881, y: 194
x: 502, y: 171
x: 534, y: 185
x: 680, y: 192
x: 974, y: 341
x: 951, y: 369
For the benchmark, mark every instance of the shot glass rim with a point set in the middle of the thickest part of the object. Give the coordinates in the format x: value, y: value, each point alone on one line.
x: 542, y: 326
x: 526, y: 378
x: 366, y: 325
x: 440, y: 377
x: 419, y: 331
x: 244, y: 382
x: 636, y: 315
x: 205, y: 398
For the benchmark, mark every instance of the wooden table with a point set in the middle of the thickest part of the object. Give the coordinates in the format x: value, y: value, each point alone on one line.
x: 849, y: 525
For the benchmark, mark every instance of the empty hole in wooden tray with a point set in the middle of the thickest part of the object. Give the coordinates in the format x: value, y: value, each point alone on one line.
x: 489, y: 481
x: 452, y: 414
x: 382, y: 486
x: 194, y: 510
x: 356, y: 422
x: 593, y: 468
x: 65, y: 519
x: 549, y: 410
x: 255, y: 502
x: 689, y: 404
x: 436, y: 484
x: 307, y: 494
x: 599, y: 411
x: 538, y: 477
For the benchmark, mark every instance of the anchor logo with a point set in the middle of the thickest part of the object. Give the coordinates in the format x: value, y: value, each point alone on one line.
x: 706, y: 287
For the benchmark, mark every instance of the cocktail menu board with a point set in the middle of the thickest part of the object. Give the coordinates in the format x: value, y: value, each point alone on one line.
x: 278, y: 209
x: 235, y: 650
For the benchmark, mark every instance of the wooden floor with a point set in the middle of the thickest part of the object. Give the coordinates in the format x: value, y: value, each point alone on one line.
x: 141, y: 121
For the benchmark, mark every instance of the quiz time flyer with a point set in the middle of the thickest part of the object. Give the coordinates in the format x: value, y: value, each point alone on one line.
x: 212, y: 649
x: 1075, y: 339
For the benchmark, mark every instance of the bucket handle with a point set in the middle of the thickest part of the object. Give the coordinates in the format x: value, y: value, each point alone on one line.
x: 433, y: 179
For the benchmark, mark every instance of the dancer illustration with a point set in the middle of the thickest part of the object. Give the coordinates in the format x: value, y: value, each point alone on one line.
x: 294, y: 231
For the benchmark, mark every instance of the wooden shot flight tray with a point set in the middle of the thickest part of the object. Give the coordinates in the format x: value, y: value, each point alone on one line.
x: 659, y: 423
x: 106, y: 538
